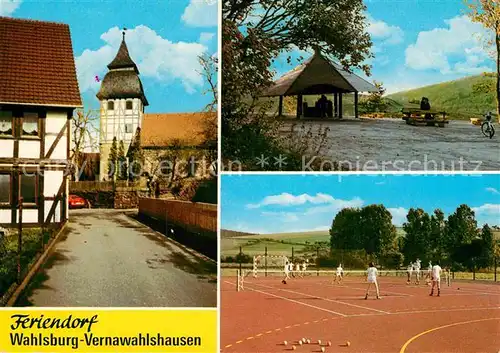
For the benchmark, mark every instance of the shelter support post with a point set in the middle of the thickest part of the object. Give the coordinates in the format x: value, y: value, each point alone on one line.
x: 356, y: 105
x: 335, y: 105
x: 299, y: 106
x: 280, y: 109
x: 340, y: 106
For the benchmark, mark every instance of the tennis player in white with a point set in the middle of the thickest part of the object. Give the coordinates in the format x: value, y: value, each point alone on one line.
x: 418, y: 266
x: 297, y: 269
x: 409, y: 272
x: 372, y: 279
x: 339, y: 274
x: 436, y: 279
x: 287, y: 273
x: 304, y: 267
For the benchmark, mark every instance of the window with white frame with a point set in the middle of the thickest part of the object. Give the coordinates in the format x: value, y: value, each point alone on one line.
x: 6, y: 123
x: 128, y: 105
x: 111, y: 105
x: 30, y: 124
x: 129, y: 128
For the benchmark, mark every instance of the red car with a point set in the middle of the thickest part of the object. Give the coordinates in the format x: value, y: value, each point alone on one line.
x: 76, y: 201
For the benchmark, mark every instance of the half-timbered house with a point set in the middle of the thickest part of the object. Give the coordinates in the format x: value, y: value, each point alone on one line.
x: 38, y: 93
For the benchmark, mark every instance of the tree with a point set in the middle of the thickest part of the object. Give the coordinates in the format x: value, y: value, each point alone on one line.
x: 336, y: 27
x: 345, y: 233
x: 377, y: 230
x: 436, y: 241
x: 254, y: 33
x: 209, y: 133
x: 122, y: 162
x: 113, y: 156
x: 461, y: 228
x: 487, y: 12
x: 468, y: 254
x: 417, y: 229
x: 84, y: 136
x: 488, y: 248
x: 135, y: 157
x: 374, y: 102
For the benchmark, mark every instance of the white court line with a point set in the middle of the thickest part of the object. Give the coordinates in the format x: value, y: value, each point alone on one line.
x: 480, y: 291
x: 293, y: 301
x: 363, y: 289
x: 425, y: 311
x: 326, y: 299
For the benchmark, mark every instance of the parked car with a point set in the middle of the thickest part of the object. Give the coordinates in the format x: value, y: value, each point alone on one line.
x: 76, y: 201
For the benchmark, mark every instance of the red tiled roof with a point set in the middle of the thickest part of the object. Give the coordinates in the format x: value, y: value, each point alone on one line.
x: 161, y: 130
x: 37, y: 65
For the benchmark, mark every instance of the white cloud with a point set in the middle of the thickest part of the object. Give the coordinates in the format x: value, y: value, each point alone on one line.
x: 493, y: 190
x: 206, y: 37
x: 487, y: 213
x: 398, y: 215
x: 201, y: 13
x: 156, y: 57
x: 7, y: 7
x: 380, y: 30
x: 286, y: 199
x: 455, y: 49
x: 487, y: 209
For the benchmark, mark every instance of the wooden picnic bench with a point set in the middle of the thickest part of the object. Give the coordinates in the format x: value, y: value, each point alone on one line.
x: 418, y: 117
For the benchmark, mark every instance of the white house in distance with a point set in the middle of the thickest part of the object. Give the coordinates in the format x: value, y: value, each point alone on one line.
x: 38, y: 93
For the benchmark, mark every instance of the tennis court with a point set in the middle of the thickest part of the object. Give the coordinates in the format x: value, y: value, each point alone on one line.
x: 265, y: 313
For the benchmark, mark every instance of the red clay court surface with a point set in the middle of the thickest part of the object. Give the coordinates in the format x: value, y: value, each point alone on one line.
x: 405, y: 320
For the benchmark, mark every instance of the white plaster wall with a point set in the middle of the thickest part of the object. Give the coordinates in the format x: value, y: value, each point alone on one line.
x: 55, y: 122
x: 30, y: 216
x: 5, y: 216
x: 60, y: 150
x: 52, y: 182
x: 29, y: 149
x: 7, y: 148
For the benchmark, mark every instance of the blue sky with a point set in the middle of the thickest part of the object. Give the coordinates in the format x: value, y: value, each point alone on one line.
x: 420, y: 42
x: 164, y: 38
x: 289, y: 203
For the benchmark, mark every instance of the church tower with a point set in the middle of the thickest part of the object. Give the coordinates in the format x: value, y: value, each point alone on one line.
x: 122, y: 105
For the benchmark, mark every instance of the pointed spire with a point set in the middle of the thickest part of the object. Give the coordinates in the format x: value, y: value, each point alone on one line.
x: 122, y: 58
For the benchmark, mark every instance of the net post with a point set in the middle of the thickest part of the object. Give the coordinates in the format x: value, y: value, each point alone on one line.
x: 237, y: 280
x: 265, y: 262
x: 317, y: 261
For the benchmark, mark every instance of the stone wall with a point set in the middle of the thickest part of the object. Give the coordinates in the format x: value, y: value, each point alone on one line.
x: 126, y: 198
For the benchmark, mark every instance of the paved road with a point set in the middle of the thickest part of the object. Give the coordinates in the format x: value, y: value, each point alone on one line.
x: 106, y: 258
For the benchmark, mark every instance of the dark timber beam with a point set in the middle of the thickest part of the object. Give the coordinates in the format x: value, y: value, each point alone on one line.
x: 336, y: 104
x: 299, y: 106
x: 340, y: 106
x: 356, y: 105
x: 280, y: 109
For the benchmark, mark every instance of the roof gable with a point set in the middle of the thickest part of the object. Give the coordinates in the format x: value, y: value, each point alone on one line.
x: 37, y: 65
x: 318, y: 75
x: 163, y: 130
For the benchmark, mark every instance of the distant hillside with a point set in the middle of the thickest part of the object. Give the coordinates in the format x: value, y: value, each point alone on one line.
x: 224, y: 233
x: 464, y: 98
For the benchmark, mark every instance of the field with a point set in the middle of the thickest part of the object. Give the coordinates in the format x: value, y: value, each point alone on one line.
x: 277, y: 244
x: 460, y: 98
x: 465, y: 318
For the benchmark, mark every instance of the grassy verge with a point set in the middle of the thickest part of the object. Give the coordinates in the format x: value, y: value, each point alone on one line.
x: 31, y: 250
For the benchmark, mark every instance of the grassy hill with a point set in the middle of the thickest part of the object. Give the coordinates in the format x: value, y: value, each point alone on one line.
x: 462, y: 99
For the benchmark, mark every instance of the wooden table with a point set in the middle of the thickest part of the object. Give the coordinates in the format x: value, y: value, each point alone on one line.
x: 418, y: 117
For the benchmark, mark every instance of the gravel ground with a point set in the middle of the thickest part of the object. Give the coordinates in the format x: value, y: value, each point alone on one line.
x: 392, y: 145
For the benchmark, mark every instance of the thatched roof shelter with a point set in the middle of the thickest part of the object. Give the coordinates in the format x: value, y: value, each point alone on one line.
x: 319, y: 76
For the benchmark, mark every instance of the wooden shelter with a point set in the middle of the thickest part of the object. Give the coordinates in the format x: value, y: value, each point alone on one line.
x: 319, y: 76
